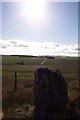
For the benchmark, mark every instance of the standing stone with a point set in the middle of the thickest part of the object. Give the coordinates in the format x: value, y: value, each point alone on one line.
x: 50, y: 90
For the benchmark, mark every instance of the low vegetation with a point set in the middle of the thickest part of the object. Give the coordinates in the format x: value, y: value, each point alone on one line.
x: 21, y: 99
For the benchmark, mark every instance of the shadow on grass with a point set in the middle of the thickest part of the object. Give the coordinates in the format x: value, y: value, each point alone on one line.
x: 19, y: 100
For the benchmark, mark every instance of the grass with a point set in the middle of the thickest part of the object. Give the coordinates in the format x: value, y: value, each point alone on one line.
x: 7, y: 60
x: 24, y: 93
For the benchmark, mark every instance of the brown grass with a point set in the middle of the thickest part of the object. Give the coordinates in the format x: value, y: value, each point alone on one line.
x: 24, y: 93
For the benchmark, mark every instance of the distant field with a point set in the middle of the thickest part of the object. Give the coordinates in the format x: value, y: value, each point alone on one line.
x: 25, y: 68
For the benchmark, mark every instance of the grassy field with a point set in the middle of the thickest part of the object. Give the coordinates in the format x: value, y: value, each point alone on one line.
x: 25, y: 68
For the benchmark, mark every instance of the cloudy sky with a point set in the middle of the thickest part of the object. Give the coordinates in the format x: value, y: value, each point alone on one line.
x: 20, y: 47
x: 49, y: 28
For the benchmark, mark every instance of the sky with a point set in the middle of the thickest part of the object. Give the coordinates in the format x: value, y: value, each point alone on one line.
x: 61, y: 23
x: 58, y: 25
x: 79, y: 23
x: 45, y: 0
x: 1, y: 20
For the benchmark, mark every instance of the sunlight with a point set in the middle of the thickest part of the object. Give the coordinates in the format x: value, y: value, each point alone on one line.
x: 34, y: 10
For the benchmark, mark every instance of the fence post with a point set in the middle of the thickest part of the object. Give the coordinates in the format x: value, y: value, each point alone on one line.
x: 15, y: 84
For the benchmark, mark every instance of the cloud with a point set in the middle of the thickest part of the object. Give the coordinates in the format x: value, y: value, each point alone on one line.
x: 20, y: 47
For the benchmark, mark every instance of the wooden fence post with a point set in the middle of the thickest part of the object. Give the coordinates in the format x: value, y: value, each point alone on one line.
x: 15, y: 84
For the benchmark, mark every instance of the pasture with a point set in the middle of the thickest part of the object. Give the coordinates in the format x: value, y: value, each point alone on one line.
x: 19, y: 100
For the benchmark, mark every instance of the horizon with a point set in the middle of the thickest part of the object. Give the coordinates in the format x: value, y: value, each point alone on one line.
x: 20, y: 47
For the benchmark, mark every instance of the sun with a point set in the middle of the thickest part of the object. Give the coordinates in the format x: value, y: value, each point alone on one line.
x: 33, y: 10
